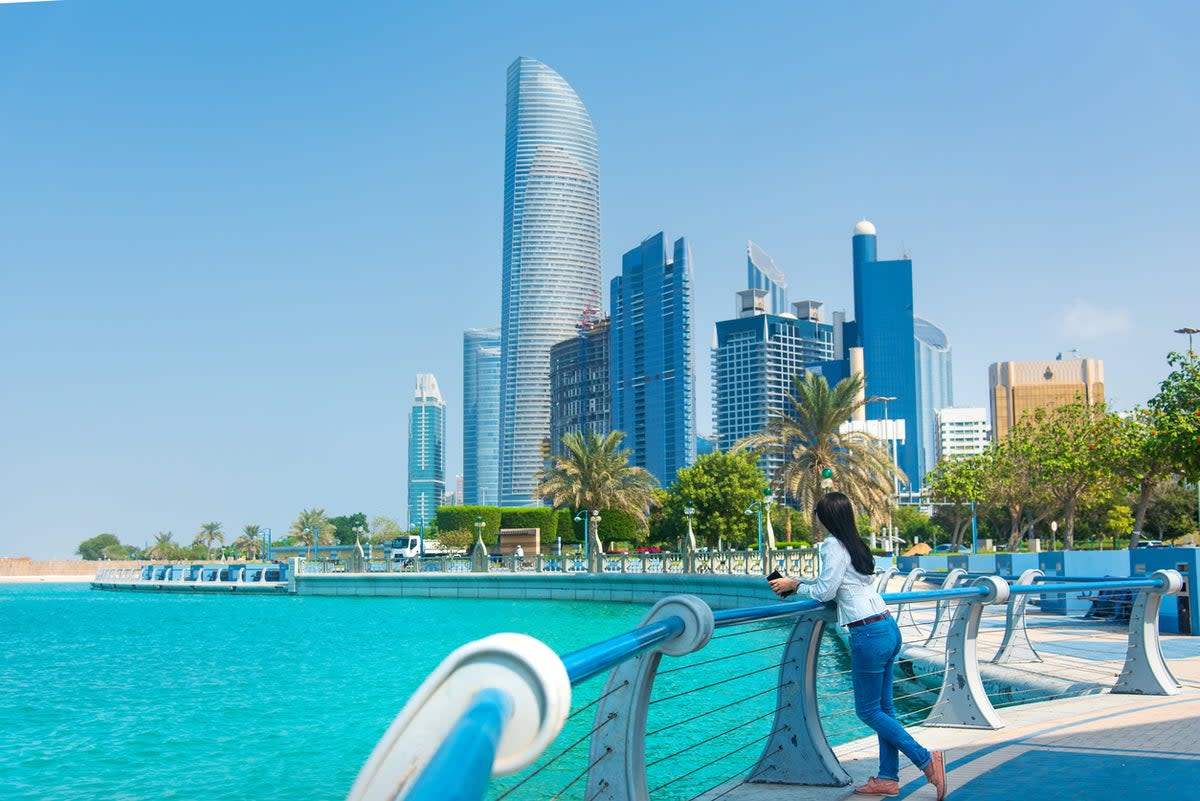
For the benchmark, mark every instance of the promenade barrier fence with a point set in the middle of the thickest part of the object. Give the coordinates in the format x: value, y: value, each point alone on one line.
x: 790, y: 561
x: 694, y: 701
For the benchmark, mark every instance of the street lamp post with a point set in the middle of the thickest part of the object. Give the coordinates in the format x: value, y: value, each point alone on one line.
x: 266, y: 547
x: 316, y: 542
x: 758, y: 507
x: 1187, y: 329
x: 1053, y: 533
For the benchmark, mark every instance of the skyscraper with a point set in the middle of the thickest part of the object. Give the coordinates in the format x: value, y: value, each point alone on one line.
x: 761, y: 273
x: 481, y: 415
x: 653, y: 382
x: 885, y: 330
x: 551, y: 258
x: 426, y: 451
x: 755, y: 357
x: 935, y: 389
x: 580, y: 391
x: 1019, y: 387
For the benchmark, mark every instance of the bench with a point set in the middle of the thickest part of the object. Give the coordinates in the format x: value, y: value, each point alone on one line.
x: 1110, y: 605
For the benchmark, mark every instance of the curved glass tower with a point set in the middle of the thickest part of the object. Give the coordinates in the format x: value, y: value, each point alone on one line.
x: 551, y: 258
x: 935, y: 389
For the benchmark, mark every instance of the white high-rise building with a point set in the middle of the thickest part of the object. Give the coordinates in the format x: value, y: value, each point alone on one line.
x: 962, y: 431
x: 551, y: 259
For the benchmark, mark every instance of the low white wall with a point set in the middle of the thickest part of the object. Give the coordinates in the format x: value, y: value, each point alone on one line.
x: 719, y: 592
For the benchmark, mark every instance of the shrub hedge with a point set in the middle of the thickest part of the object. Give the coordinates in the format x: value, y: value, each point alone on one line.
x: 462, y: 518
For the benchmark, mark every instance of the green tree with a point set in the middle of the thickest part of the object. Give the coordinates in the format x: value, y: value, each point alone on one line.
x: 1075, y: 448
x: 459, y: 539
x: 1142, y: 462
x: 720, y: 486
x: 956, y: 485
x: 1171, y: 513
x: 810, y: 436
x: 1010, y: 480
x: 384, y: 529
x: 208, y: 534
x: 249, y: 545
x: 594, y: 473
x: 1177, y: 415
x: 344, y: 525
x: 93, y: 548
x: 1119, y: 520
x: 914, y: 525
x: 164, y: 547
x: 308, y: 521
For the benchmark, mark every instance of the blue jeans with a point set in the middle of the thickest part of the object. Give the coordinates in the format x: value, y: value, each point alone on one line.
x: 873, y: 649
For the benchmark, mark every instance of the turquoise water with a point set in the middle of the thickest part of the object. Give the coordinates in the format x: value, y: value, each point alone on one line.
x: 123, y: 696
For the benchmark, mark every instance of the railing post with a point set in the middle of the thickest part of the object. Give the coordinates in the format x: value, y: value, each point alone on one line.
x: 1016, y: 646
x: 884, y: 577
x: 798, y: 751
x: 941, y: 620
x: 904, y: 615
x: 962, y: 700
x: 618, y: 747
x: 1145, y: 671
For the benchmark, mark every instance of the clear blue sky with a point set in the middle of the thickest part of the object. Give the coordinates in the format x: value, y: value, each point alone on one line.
x: 231, y: 233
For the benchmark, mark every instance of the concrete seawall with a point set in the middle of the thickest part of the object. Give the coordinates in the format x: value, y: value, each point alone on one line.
x: 719, y: 592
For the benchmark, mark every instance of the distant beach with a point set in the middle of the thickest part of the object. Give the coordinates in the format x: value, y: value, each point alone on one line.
x: 45, y: 579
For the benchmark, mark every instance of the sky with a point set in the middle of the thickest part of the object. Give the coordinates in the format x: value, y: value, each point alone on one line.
x: 232, y: 233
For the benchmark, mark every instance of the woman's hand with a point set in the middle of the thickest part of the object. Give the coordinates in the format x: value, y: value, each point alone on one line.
x: 784, y: 586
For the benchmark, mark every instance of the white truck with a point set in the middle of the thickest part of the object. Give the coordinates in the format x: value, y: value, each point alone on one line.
x: 408, y: 547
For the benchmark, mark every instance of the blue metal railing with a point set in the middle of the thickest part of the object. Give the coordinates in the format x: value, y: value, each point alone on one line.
x: 603, y: 656
x: 462, y: 765
x: 468, y: 752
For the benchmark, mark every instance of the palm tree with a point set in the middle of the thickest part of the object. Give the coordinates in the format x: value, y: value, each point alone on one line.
x: 208, y: 534
x: 164, y: 546
x: 594, y: 473
x: 810, y: 438
x: 249, y: 545
x: 308, y: 521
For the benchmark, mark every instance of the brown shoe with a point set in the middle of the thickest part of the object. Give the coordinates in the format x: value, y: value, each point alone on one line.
x: 935, y: 771
x: 877, y: 786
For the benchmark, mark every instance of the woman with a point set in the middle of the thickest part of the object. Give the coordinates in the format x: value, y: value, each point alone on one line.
x: 848, y: 574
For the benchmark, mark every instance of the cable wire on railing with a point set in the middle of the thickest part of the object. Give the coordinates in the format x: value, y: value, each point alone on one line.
x: 582, y: 773
x: 763, y: 625
x: 718, y: 735
x: 742, y: 747
x: 742, y: 700
x: 611, y: 716
x: 691, y: 665
x: 717, y: 683
x: 603, y: 786
x: 599, y: 698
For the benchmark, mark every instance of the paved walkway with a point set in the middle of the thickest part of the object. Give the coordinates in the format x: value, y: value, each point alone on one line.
x: 1092, y: 748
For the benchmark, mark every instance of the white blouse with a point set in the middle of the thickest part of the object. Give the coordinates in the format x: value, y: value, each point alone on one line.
x: 855, y: 593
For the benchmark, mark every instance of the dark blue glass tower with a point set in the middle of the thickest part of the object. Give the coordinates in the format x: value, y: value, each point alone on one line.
x: 653, y: 385
x: 883, y: 316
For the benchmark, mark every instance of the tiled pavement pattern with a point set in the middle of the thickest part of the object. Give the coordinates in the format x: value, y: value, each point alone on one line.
x: 1094, y: 748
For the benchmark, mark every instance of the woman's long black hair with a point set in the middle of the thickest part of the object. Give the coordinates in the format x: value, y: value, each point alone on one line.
x: 837, y: 516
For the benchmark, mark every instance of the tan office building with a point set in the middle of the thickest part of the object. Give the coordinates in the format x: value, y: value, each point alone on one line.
x: 1018, y: 387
